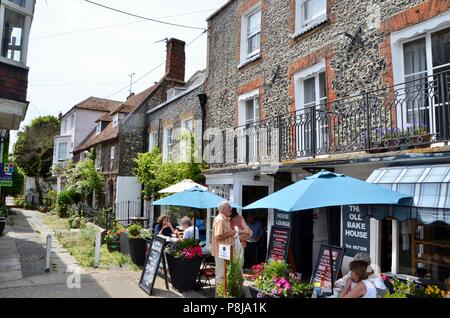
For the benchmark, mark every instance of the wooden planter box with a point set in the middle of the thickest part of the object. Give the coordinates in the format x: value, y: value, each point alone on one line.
x: 137, y: 251
x: 124, y: 245
x: 183, y: 272
x: 255, y: 291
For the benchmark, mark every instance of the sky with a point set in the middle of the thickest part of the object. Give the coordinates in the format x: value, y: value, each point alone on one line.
x: 68, y: 66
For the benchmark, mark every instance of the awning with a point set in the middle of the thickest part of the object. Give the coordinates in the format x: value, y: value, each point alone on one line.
x: 428, y: 185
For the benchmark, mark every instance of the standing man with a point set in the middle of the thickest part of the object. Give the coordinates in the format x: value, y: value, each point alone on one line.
x: 222, y: 234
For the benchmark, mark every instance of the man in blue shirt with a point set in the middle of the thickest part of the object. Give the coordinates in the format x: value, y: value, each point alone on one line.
x: 251, y: 252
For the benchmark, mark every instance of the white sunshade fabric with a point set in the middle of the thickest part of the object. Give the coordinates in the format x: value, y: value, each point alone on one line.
x: 181, y: 186
x: 428, y: 185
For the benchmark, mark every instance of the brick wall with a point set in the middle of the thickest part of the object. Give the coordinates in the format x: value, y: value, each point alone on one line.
x: 349, y: 70
x: 13, y: 82
x: 175, y: 60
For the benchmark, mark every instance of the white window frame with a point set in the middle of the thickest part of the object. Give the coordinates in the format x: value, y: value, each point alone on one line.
x: 62, y: 156
x: 399, y: 38
x: 242, y: 99
x: 185, y: 145
x: 299, y: 79
x: 72, y: 121
x: 27, y: 12
x: 152, y: 140
x: 302, y: 25
x: 113, y: 152
x: 115, y: 120
x: 166, y: 143
x: 245, y: 55
x: 98, y: 128
x: 98, y: 156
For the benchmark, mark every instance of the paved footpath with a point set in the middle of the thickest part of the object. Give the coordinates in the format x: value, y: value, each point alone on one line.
x: 22, y: 251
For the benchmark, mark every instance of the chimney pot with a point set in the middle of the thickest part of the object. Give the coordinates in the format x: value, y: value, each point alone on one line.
x: 175, y: 60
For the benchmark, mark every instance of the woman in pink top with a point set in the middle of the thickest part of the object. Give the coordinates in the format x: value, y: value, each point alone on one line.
x: 245, y: 233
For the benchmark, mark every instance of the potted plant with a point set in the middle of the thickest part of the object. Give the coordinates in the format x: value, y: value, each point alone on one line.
x: 112, y: 237
x: 184, y: 259
x: 235, y: 281
x: 136, y: 244
x: 3, y: 216
x: 276, y: 280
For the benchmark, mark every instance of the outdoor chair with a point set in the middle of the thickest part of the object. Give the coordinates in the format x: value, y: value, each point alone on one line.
x: 207, y: 272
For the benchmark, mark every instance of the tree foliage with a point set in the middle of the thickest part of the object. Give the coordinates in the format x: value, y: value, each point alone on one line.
x: 84, y: 178
x: 156, y: 175
x: 33, y: 151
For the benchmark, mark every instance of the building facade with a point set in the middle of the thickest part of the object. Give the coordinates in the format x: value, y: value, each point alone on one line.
x: 298, y: 86
x: 76, y: 125
x: 15, y: 24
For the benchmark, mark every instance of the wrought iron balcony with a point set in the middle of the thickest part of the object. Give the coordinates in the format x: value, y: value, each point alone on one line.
x: 411, y: 114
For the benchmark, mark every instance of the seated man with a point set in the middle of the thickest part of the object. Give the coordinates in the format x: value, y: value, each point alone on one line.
x: 188, y: 229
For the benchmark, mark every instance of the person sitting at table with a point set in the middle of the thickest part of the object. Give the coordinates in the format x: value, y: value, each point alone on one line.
x: 358, y: 286
x: 188, y: 229
x: 164, y: 227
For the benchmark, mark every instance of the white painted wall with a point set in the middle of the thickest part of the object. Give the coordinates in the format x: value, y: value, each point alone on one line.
x: 128, y: 189
x: 84, y: 125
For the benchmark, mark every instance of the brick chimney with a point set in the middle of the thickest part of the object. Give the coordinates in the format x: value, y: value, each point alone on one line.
x: 175, y: 60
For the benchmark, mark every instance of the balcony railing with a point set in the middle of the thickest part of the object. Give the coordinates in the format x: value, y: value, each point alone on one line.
x: 411, y: 114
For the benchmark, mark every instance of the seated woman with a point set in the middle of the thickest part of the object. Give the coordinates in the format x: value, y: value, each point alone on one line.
x: 358, y: 286
x: 164, y: 227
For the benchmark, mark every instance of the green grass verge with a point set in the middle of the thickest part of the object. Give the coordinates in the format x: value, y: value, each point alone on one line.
x: 81, y: 245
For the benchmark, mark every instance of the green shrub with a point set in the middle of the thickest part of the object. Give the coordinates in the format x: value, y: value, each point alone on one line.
x: 49, y: 199
x: 134, y: 231
x: 4, y: 212
x: 74, y: 196
x: 19, y: 201
x: 64, y: 198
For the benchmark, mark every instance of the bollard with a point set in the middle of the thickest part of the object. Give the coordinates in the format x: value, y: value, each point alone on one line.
x: 48, y: 253
x: 97, y: 250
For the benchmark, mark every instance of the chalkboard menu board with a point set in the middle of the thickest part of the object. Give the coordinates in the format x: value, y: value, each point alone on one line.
x: 282, y: 219
x: 152, y: 264
x: 279, y: 242
x: 355, y: 231
x: 322, y: 268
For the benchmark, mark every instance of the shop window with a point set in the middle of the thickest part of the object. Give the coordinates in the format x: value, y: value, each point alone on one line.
x: 424, y: 250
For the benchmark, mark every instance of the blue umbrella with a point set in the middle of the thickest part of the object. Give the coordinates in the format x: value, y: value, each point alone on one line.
x: 195, y: 198
x: 326, y: 189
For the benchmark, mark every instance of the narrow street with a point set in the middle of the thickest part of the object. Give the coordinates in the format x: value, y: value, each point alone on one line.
x: 22, y: 267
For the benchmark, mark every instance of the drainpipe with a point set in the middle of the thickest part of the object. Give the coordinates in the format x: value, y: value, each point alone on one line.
x: 203, y: 98
x: 145, y: 148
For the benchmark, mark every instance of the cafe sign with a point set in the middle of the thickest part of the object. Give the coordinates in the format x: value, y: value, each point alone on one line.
x: 6, y: 174
x: 356, y: 230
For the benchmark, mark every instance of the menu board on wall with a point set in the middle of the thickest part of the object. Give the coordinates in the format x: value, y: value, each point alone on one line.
x: 282, y: 219
x: 152, y: 264
x: 322, y: 268
x: 355, y: 231
x: 279, y: 242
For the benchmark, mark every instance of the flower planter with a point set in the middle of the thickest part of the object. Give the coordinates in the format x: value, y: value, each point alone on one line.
x: 2, y: 225
x: 137, y: 251
x: 113, y: 246
x: 423, y: 141
x: 258, y: 293
x: 124, y: 245
x: 183, y: 272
